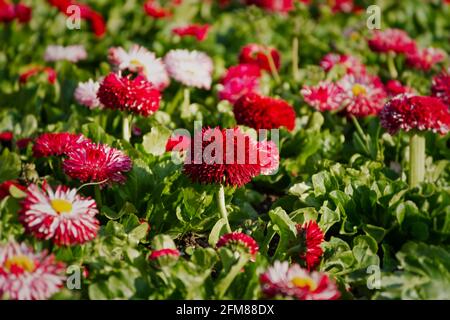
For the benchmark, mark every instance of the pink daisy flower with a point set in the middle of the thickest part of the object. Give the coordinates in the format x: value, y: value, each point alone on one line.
x: 86, y: 94
x: 60, y: 215
x: 440, y: 87
x: 351, y: 64
x: 57, y: 144
x: 28, y: 275
x: 269, y: 157
x: 97, y: 163
x: 238, y: 81
x: 72, y: 53
x: 424, y: 59
x: 392, y: 40
x: 324, y: 96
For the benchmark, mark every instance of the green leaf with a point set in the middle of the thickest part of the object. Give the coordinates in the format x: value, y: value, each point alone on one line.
x: 155, y: 141
x: 218, y: 230
x: 10, y: 165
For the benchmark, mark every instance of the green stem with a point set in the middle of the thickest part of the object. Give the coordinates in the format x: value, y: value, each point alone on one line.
x: 361, y: 134
x: 222, y: 207
x: 391, y: 66
x: 126, y: 134
x: 295, y: 71
x: 225, y: 282
x: 272, y: 66
x: 416, y: 159
x: 98, y: 196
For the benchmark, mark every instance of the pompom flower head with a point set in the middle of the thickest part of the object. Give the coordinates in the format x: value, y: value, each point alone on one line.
x: 311, y: 237
x: 260, y: 112
x: 222, y: 156
x: 124, y: 93
x: 424, y: 59
x: 191, y: 68
x: 28, y: 275
x: 440, y: 87
x: 258, y: 54
x: 282, y: 280
x: 239, y: 241
x: 239, y: 80
x: 408, y: 112
x: 350, y: 64
x: 323, y: 97
x: 57, y: 144
x: 392, y: 40
x: 86, y: 94
x: 97, y: 163
x: 60, y: 215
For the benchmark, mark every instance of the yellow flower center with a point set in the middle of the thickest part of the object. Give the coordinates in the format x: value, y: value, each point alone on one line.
x: 136, y: 62
x: 304, y: 282
x: 20, y: 261
x: 61, y: 205
x: 358, y: 90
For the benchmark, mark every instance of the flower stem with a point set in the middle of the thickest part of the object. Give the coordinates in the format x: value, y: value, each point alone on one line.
x: 295, y: 72
x: 391, y: 66
x: 273, y: 68
x: 186, y: 102
x: 225, y: 282
x: 98, y: 196
x: 416, y: 159
x: 126, y: 134
x: 222, y: 207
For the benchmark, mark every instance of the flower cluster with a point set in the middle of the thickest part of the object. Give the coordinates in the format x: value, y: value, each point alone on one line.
x: 11, y: 11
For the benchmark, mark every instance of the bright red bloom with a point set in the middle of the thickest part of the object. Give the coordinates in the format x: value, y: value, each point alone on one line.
x: 325, y: 96
x: 6, y: 136
x: 440, y: 87
x: 222, y: 156
x: 392, y: 40
x: 424, y: 59
x: 6, y: 185
x: 97, y: 163
x: 134, y: 95
x: 200, y: 32
x: 351, y: 64
x: 281, y: 6
x: 178, y: 143
x: 239, y: 80
x: 23, y: 13
x: 10, y: 11
x: 240, y: 240
x: 58, y: 144
x: 282, y: 280
x: 259, y: 112
x: 345, y: 6
x: 156, y: 254
x: 258, y: 54
x: 415, y: 113
x: 51, y: 74
x: 154, y: 10
x: 312, y: 236
x: 395, y: 87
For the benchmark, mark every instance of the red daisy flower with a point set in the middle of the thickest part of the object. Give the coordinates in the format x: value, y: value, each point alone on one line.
x: 363, y: 95
x: 154, y: 10
x: 156, y: 254
x: 5, y: 188
x: 178, y: 143
x: 325, y: 96
x: 61, y: 215
x: 424, y: 59
x: 200, y: 32
x: 351, y: 64
x: 281, y: 6
x: 239, y: 80
x: 282, y: 280
x: 97, y: 163
x: 440, y: 87
x: 415, y: 113
x: 312, y: 236
x: 395, y: 87
x: 268, y: 157
x: 392, y: 40
x: 257, y: 54
x: 58, y: 144
x: 239, y: 240
x: 222, y: 156
x: 345, y: 6
x: 25, y: 76
x: 134, y: 95
x: 259, y: 112
x: 6, y: 136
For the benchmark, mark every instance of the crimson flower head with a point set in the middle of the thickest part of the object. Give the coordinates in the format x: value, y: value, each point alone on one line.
x: 156, y: 254
x: 350, y: 64
x: 258, y: 54
x: 239, y: 80
x: 11, y: 11
x: 57, y: 144
x: 324, y: 96
x: 6, y: 136
x: 25, y: 76
x: 178, y: 143
x: 97, y: 163
x: 440, y: 87
x: 392, y: 40
x: 395, y: 87
x: 23, y: 13
x: 198, y: 31
x: 124, y: 93
x: 424, y: 59
x: 260, y: 112
x: 228, y: 156
x: 154, y: 10
x: 406, y: 112
x: 281, y: 6
x: 311, y: 236
x: 239, y: 240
